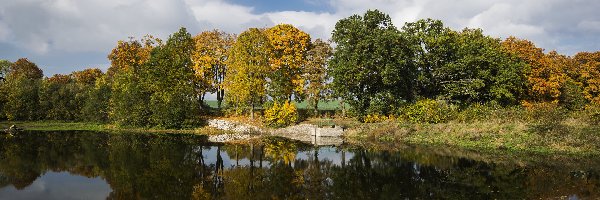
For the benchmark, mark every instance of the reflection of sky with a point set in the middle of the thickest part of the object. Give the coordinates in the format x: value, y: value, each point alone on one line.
x: 325, y: 154
x: 59, y: 185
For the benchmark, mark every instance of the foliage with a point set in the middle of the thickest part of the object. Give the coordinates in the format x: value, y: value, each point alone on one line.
x: 129, y: 56
x: 589, y: 75
x: 248, y: 63
x: 287, y: 59
x: 428, y: 111
x: 547, y: 72
x: 22, y: 91
x: 281, y: 115
x: 95, y: 97
x: 209, y: 58
x: 129, y: 99
x: 372, y: 58
x: 167, y: 77
x: 57, y: 98
x: 482, y: 72
x: 315, y: 73
x: 4, y: 68
x: 375, y: 118
x: 435, y: 47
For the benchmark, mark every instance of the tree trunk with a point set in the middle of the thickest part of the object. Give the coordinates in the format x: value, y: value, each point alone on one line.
x: 252, y: 111
x: 316, y: 109
x: 220, y: 94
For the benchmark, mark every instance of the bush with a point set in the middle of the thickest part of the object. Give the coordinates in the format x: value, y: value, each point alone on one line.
x: 375, y: 118
x: 428, y: 111
x: 281, y: 115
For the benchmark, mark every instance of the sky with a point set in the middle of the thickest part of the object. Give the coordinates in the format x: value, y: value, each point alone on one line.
x: 62, y: 36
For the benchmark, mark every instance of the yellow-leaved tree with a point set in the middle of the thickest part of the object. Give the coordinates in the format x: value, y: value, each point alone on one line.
x: 287, y: 59
x: 209, y: 58
x: 547, y: 74
x: 248, y: 66
x: 589, y: 74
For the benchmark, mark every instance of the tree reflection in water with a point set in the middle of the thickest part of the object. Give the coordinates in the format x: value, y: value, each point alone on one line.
x: 154, y: 166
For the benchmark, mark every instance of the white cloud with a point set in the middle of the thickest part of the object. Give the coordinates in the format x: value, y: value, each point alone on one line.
x: 38, y: 27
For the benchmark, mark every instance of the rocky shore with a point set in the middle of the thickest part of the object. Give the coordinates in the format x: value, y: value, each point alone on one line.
x: 303, y: 132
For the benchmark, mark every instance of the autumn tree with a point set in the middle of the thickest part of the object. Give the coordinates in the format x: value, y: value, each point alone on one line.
x: 371, y: 66
x: 22, y: 86
x: 589, y: 74
x: 287, y: 59
x: 128, y: 101
x: 315, y: 72
x: 545, y: 77
x: 128, y: 56
x: 248, y: 63
x: 168, y: 76
x: 209, y: 59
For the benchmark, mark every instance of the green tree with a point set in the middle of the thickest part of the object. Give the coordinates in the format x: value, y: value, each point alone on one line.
x: 287, y: 59
x: 371, y: 67
x: 169, y: 78
x: 128, y: 100
x: 4, y: 67
x: 57, y: 98
x: 248, y: 63
x: 483, y: 72
x: 93, y: 94
x: 315, y: 73
x: 435, y: 47
x: 22, y: 87
x: 209, y: 58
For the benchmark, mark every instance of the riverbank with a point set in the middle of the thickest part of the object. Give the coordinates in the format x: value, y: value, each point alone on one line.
x: 488, y: 137
x: 567, y: 139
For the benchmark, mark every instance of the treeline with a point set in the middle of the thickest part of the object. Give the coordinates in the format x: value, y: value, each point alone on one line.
x: 376, y: 67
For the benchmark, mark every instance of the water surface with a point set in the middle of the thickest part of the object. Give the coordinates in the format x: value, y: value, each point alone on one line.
x: 91, y: 165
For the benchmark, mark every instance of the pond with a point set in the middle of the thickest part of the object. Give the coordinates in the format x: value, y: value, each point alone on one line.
x: 92, y: 165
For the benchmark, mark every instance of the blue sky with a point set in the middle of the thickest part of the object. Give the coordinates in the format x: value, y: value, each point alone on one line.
x: 62, y: 36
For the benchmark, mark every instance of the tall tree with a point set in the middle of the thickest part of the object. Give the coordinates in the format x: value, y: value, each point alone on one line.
x: 482, y: 71
x: 22, y: 86
x: 371, y: 67
x: 435, y: 47
x: 129, y: 56
x: 315, y: 72
x: 248, y: 64
x: 128, y: 100
x: 546, y: 75
x: 169, y: 78
x: 209, y: 58
x: 4, y: 67
x: 288, y: 57
x: 58, y: 98
x: 589, y: 74
x: 93, y: 94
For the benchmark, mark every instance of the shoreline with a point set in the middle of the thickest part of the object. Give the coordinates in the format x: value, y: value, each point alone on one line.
x: 484, y: 137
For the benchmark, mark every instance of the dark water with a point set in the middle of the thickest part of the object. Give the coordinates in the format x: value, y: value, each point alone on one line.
x: 84, y: 165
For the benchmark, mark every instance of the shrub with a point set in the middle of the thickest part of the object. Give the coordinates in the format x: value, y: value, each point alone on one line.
x: 375, y: 118
x: 428, y: 111
x: 281, y: 115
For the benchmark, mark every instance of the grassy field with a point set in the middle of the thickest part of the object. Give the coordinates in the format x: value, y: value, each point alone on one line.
x: 83, y: 126
x: 491, y: 137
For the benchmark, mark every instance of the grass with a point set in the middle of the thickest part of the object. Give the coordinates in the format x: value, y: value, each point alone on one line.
x: 84, y: 126
x: 491, y: 137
